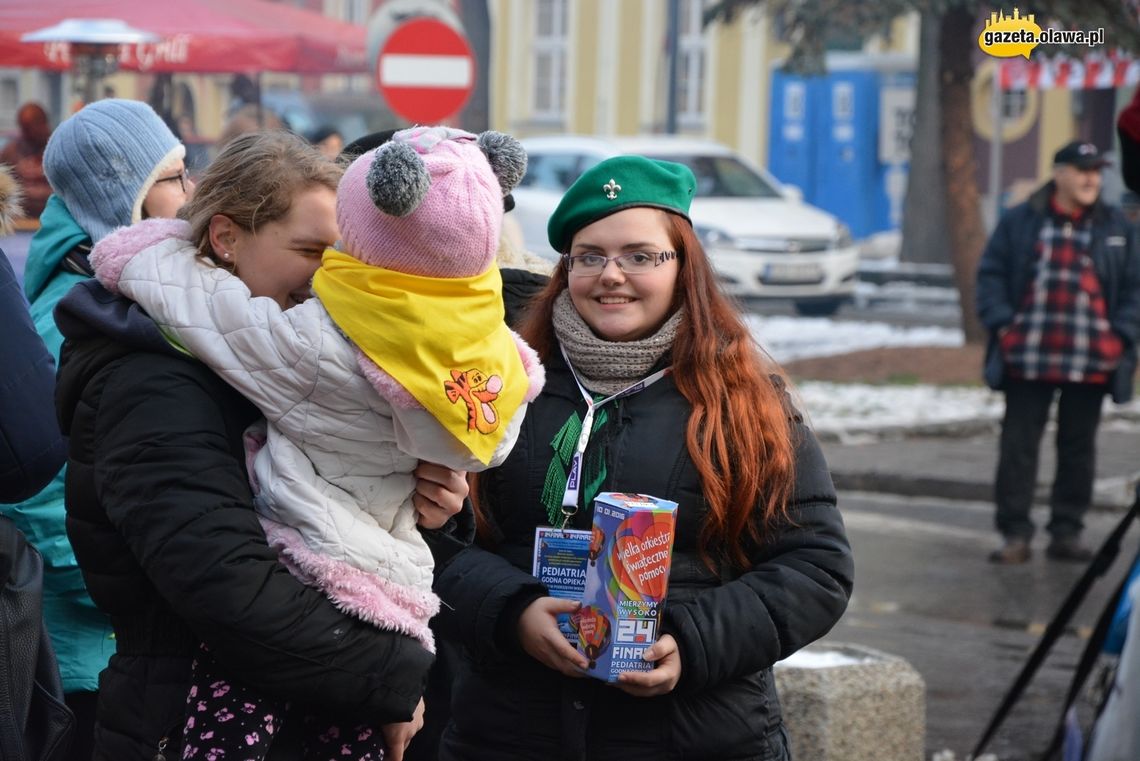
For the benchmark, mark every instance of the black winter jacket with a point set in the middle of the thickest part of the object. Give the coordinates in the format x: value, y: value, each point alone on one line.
x: 730, y: 628
x: 1009, y: 262
x: 160, y: 516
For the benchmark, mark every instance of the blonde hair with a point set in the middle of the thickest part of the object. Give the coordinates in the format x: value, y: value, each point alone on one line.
x: 253, y: 182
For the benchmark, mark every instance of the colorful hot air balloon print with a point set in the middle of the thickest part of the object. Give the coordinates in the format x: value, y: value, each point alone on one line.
x: 597, y: 542
x: 593, y: 631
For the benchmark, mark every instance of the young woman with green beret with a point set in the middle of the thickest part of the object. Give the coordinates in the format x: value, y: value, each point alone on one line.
x: 695, y: 413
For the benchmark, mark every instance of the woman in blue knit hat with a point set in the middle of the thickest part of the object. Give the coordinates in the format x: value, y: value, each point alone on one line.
x: 655, y: 386
x: 112, y: 163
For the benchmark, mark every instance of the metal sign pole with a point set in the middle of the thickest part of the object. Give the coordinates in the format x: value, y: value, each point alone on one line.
x: 997, y: 139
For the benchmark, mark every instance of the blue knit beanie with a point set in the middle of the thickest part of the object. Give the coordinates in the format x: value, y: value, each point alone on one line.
x: 103, y: 160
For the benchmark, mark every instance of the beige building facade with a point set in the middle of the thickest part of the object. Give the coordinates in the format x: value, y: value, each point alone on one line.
x: 600, y: 67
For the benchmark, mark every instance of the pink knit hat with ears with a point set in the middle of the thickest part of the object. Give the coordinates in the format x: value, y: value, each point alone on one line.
x: 430, y: 201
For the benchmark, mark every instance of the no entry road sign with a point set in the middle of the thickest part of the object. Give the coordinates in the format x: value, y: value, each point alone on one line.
x: 425, y: 71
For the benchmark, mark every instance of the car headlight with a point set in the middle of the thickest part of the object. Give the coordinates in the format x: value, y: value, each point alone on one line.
x: 842, y: 236
x: 712, y: 237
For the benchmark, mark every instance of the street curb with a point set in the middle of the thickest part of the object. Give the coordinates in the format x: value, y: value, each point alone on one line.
x: 1109, y: 494
x: 949, y: 429
x: 855, y: 435
x: 912, y: 486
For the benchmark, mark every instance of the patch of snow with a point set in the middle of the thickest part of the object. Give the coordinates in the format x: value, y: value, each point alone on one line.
x: 790, y: 338
x: 841, y: 407
x: 819, y: 659
x: 879, y: 248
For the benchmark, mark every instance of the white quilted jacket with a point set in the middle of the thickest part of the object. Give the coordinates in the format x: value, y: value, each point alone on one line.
x: 336, y: 466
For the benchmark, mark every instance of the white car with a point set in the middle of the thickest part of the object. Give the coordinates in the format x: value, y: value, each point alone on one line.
x: 763, y: 240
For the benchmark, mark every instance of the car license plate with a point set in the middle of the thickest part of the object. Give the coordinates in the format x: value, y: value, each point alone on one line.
x: 793, y: 272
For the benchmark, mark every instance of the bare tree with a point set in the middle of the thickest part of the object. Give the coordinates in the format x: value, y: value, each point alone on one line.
x: 924, y: 224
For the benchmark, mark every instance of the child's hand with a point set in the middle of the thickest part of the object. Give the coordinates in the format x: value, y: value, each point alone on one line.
x: 439, y: 494
x: 663, y: 678
x: 397, y: 737
x: 541, y: 638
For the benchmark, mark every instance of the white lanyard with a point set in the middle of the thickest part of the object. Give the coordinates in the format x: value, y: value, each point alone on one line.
x: 573, y: 481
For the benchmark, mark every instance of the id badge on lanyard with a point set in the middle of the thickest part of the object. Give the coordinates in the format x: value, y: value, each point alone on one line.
x: 574, y: 480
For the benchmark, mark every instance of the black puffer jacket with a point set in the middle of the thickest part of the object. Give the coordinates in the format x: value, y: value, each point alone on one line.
x: 160, y: 516
x: 730, y: 628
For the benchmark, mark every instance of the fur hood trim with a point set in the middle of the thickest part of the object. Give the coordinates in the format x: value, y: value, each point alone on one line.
x: 11, y: 198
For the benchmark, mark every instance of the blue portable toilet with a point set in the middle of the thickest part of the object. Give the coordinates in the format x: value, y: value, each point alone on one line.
x: 792, y: 136
x: 846, y: 149
x: 839, y: 149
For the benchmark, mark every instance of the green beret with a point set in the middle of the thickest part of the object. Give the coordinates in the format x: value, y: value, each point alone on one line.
x: 618, y: 183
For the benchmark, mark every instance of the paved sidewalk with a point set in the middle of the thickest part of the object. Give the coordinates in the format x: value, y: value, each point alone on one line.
x: 958, y: 462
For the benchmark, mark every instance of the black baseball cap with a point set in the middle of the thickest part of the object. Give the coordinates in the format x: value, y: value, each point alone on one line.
x: 1081, y: 155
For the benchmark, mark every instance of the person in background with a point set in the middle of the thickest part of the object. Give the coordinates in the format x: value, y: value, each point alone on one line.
x: 633, y: 325
x: 1058, y: 287
x: 364, y: 144
x: 112, y: 163
x: 1128, y: 130
x: 1116, y: 733
x: 524, y: 274
x: 328, y: 141
x: 197, y: 149
x: 248, y: 118
x: 31, y: 446
x: 25, y: 155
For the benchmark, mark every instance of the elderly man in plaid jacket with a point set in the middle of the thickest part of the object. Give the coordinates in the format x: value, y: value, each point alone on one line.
x: 1059, y: 290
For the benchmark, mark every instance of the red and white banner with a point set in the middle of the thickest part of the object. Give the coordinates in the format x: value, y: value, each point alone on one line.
x: 1093, y: 72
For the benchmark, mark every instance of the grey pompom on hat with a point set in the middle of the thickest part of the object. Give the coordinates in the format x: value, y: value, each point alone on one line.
x: 506, y: 156
x: 397, y: 180
x: 103, y: 160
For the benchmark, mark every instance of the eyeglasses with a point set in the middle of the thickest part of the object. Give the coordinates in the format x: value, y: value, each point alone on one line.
x: 182, y: 177
x: 633, y: 263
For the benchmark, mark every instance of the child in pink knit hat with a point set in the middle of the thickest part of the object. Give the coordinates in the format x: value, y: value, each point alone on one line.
x: 402, y: 356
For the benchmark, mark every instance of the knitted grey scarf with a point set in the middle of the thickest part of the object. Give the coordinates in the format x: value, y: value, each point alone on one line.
x: 606, y: 367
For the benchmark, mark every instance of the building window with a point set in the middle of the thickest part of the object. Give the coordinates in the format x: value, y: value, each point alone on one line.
x: 550, y: 59
x: 692, y: 49
x: 357, y: 11
x: 352, y: 11
x: 1014, y: 104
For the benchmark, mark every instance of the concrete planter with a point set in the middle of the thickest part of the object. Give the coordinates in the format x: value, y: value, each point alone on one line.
x: 845, y: 702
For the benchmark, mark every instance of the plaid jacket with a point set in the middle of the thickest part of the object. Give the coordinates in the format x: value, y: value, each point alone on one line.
x: 1061, y: 332
x: 1010, y: 261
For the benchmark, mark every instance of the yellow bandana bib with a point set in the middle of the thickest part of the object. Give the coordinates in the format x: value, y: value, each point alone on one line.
x: 442, y: 339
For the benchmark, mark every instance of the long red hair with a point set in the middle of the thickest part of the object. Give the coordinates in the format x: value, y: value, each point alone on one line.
x: 739, y: 433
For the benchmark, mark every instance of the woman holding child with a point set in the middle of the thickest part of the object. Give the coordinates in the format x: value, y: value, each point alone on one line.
x: 160, y: 505
x: 696, y: 414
